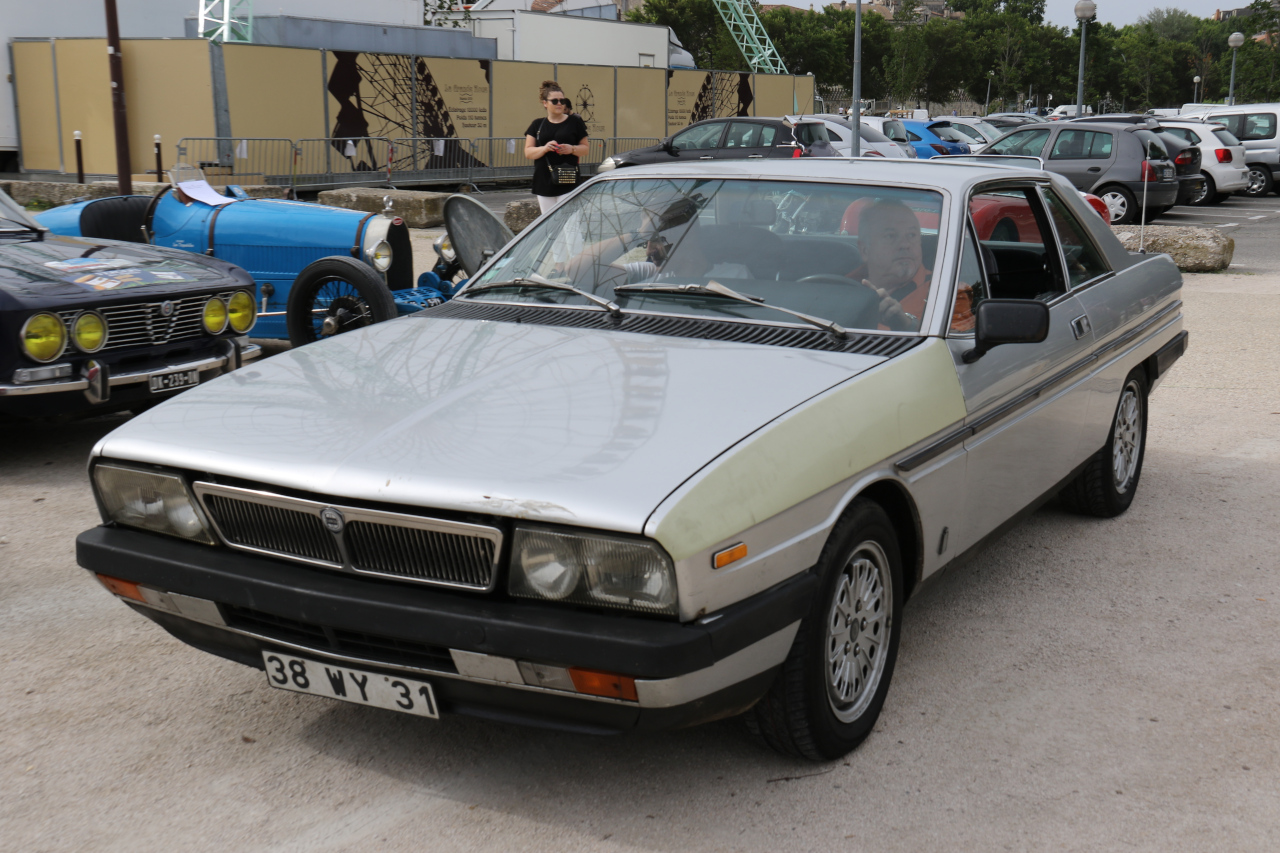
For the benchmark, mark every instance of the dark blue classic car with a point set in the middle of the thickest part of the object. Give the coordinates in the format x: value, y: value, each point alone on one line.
x: 321, y: 270
x: 90, y: 326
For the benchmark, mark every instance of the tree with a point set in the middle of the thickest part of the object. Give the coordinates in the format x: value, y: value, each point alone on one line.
x: 807, y: 43
x: 907, y: 64
x: 698, y: 26
x: 1148, y: 69
x: 1170, y: 24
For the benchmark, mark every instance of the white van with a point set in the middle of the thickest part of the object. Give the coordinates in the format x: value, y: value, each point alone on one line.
x: 1063, y: 111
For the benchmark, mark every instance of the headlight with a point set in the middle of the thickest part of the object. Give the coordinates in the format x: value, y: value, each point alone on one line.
x: 588, y: 569
x: 444, y: 248
x: 242, y: 311
x: 380, y: 257
x: 44, y: 337
x: 215, y: 316
x: 150, y: 500
x: 89, y: 331
x: 606, y: 165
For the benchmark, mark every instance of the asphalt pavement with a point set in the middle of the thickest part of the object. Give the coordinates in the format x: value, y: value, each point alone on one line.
x: 1251, y: 222
x: 1081, y: 685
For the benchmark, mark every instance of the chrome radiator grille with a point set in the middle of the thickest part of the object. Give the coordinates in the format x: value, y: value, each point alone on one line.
x: 368, y: 542
x: 146, y: 323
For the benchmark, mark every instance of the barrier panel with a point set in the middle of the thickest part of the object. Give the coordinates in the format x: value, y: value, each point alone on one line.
x: 424, y: 160
x: 621, y: 144
x: 595, y: 154
x: 501, y: 158
x: 335, y: 162
x: 240, y: 161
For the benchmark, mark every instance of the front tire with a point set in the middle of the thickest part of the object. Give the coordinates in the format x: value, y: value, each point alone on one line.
x: 1207, y: 194
x: 833, y: 683
x: 335, y: 295
x: 1106, y: 486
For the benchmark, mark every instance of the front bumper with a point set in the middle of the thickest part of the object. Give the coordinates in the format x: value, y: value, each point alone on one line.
x: 128, y: 387
x: 469, y: 646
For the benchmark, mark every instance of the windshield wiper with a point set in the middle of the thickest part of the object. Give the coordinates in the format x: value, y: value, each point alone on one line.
x: 715, y: 288
x: 535, y: 280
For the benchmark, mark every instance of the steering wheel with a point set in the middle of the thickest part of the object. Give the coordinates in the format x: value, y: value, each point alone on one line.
x: 868, y: 313
x: 830, y: 278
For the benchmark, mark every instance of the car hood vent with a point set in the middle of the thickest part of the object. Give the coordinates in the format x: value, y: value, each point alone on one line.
x: 886, y: 346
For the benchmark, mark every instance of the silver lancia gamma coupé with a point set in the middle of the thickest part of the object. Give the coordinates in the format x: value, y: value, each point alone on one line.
x: 680, y: 451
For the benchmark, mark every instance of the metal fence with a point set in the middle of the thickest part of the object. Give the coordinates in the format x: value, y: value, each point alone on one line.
x: 240, y: 161
x: 328, y: 163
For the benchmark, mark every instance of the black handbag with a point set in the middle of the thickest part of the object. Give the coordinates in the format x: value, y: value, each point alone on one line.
x: 566, y: 175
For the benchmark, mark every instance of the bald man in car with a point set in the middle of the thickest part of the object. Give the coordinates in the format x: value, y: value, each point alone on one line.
x: 893, y: 265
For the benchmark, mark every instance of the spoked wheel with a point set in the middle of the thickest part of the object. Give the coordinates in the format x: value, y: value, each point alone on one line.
x: 833, y: 684
x: 1107, y: 484
x: 336, y: 295
x: 1260, y: 182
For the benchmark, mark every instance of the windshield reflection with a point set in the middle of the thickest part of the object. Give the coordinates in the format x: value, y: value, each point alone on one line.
x: 860, y: 256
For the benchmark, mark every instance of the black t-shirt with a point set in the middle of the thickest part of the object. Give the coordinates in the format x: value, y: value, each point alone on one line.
x: 571, y: 131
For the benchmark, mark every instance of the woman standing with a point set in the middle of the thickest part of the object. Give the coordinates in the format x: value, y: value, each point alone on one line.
x: 554, y: 144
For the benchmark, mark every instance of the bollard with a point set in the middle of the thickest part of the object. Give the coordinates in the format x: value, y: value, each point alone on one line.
x: 159, y: 167
x: 79, y: 160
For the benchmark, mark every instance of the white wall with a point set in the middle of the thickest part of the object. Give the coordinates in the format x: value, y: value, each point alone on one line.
x: 542, y: 37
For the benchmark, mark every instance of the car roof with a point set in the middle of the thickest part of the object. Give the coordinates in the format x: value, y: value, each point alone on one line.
x: 954, y: 177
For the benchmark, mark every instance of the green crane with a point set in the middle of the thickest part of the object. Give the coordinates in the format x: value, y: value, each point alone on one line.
x: 745, y: 27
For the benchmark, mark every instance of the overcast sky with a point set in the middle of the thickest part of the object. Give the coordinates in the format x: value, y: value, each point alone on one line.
x: 1118, y: 12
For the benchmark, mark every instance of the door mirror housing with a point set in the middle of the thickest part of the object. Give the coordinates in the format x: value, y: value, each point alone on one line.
x: 667, y: 146
x: 1007, y: 321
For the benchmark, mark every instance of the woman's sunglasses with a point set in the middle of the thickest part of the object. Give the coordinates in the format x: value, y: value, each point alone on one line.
x: 564, y: 102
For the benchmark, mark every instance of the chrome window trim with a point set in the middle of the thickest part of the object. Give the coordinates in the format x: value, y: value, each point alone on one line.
x: 351, y: 514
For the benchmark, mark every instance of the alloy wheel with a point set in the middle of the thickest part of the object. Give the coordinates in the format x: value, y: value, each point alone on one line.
x: 858, y: 631
x: 1127, y: 441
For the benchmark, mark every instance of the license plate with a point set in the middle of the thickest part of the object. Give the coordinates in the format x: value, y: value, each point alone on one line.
x: 1168, y: 172
x: 176, y: 379
x: 351, y: 685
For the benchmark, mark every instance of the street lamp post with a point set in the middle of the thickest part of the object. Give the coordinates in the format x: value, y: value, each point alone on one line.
x: 1235, y: 41
x: 990, y: 76
x: 1085, y: 10
x: 856, y: 106
x: 1196, y: 90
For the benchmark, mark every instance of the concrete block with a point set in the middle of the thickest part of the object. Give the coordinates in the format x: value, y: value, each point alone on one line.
x: 417, y: 209
x: 54, y: 193
x: 1192, y: 249
x: 520, y: 213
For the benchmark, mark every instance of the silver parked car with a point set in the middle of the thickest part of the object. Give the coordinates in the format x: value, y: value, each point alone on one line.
x: 681, y: 450
x: 1255, y: 125
x: 1222, y: 159
x: 975, y: 131
x: 873, y: 142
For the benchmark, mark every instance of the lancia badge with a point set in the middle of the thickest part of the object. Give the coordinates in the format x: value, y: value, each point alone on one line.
x: 166, y: 308
x: 332, y: 519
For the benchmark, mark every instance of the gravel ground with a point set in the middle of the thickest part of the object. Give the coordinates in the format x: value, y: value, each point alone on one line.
x: 1081, y: 685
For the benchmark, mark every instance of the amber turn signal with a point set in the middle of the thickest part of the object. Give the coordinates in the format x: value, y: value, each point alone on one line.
x: 729, y: 555
x: 607, y: 684
x: 128, y: 589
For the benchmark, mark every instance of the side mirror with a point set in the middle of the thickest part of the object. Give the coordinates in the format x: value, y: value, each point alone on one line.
x: 1008, y: 321
x: 668, y: 147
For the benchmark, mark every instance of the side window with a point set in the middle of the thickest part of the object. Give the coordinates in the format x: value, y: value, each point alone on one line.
x: 742, y: 135
x: 768, y: 134
x: 911, y: 137
x: 1259, y: 126
x: 1099, y: 146
x: 699, y: 138
x: 1232, y: 123
x: 1084, y: 261
x: 1180, y: 132
x: 1017, y: 248
x: 1027, y: 143
x: 971, y: 286
x: 1070, y: 145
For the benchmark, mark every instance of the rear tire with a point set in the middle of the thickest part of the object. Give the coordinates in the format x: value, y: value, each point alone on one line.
x: 1121, y: 204
x: 1106, y: 486
x: 829, y: 693
x: 335, y: 295
x: 1260, y: 182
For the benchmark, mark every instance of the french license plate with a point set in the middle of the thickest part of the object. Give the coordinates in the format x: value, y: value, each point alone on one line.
x: 174, y: 380
x: 351, y: 685
x: 1168, y: 172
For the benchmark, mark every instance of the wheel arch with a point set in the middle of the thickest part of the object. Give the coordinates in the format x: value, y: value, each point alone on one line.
x: 892, y: 496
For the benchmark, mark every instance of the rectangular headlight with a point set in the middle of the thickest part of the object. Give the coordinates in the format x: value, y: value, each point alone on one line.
x: 630, y: 574
x: 151, y: 500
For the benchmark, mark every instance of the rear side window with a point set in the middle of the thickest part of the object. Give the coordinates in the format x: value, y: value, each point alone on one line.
x: 1225, y: 136
x: 912, y: 137
x: 743, y: 135
x: 1258, y: 126
x: 1084, y: 262
x: 1026, y: 143
x: 1082, y: 145
x: 768, y: 135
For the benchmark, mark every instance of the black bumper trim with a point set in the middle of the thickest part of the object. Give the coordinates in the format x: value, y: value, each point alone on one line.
x: 630, y: 645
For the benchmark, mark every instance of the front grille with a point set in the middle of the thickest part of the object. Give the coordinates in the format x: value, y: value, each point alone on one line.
x: 364, y: 541
x: 374, y: 647
x: 273, y: 528
x: 145, y: 324
x: 389, y: 550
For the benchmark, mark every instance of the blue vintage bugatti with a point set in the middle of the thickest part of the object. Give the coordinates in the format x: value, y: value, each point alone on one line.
x: 320, y: 270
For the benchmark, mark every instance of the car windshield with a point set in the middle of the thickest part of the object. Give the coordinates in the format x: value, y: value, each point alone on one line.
x: 968, y: 132
x: 823, y: 249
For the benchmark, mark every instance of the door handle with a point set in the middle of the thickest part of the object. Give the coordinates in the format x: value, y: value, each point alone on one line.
x: 1080, y: 326
x: 1095, y: 168
x: 706, y: 157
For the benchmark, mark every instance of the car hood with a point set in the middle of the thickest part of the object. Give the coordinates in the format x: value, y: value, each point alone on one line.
x: 72, y: 270
x: 578, y: 426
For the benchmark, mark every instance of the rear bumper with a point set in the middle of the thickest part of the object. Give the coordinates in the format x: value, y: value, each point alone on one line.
x: 469, y: 646
x: 1228, y: 178
x: 1158, y: 193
